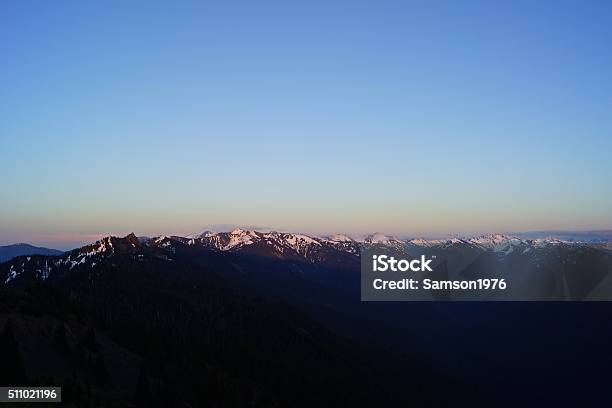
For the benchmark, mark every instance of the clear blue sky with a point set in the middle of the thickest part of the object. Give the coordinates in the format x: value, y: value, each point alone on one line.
x: 404, y: 117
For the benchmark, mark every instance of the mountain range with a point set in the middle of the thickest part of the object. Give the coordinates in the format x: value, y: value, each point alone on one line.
x: 248, y: 318
x: 583, y: 267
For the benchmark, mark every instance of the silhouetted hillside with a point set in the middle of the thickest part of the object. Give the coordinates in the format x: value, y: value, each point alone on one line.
x: 8, y: 252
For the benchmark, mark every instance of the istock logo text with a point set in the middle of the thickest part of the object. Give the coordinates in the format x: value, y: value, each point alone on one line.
x: 383, y: 263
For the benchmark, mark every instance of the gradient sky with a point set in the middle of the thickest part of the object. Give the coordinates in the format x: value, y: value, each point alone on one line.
x: 417, y: 118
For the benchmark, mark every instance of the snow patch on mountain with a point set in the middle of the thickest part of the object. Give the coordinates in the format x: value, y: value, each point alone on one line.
x: 430, y: 243
x: 12, y: 274
x: 378, y: 238
x: 499, y: 243
x: 239, y: 237
x: 339, y: 238
x: 99, y: 247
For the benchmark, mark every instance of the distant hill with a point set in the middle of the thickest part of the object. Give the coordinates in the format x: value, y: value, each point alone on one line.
x: 11, y: 251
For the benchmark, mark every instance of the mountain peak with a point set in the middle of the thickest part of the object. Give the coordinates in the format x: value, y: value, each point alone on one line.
x: 498, y: 242
x: 132, y: 239
x: 378, y: 238
x: 340, y: 238
x: 205, y: 234
x: 496, y: 238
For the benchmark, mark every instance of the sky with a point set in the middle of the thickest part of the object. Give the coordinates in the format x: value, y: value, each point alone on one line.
x: 410, y: 118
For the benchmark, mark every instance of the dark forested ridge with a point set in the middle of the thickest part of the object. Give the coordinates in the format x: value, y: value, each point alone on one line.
x: 170, y: 349
x: 168, y: 323
x: 154, y: 332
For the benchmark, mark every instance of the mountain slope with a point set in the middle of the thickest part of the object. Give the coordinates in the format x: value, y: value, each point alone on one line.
x: 189, y: 319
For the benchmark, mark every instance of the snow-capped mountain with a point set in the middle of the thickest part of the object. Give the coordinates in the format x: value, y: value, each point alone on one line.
x: 379, y: 238
x: 280, y: 245
x: 284, y: 244
x: 499, y: 243
x: 338, y: 251
x: 432, y: 243
x: 339, y: 238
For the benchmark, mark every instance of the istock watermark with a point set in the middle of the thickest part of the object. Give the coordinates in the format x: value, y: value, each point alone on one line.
x: 396, y: 275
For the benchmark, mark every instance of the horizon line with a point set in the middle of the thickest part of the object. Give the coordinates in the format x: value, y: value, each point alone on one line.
x: 92, y: 238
